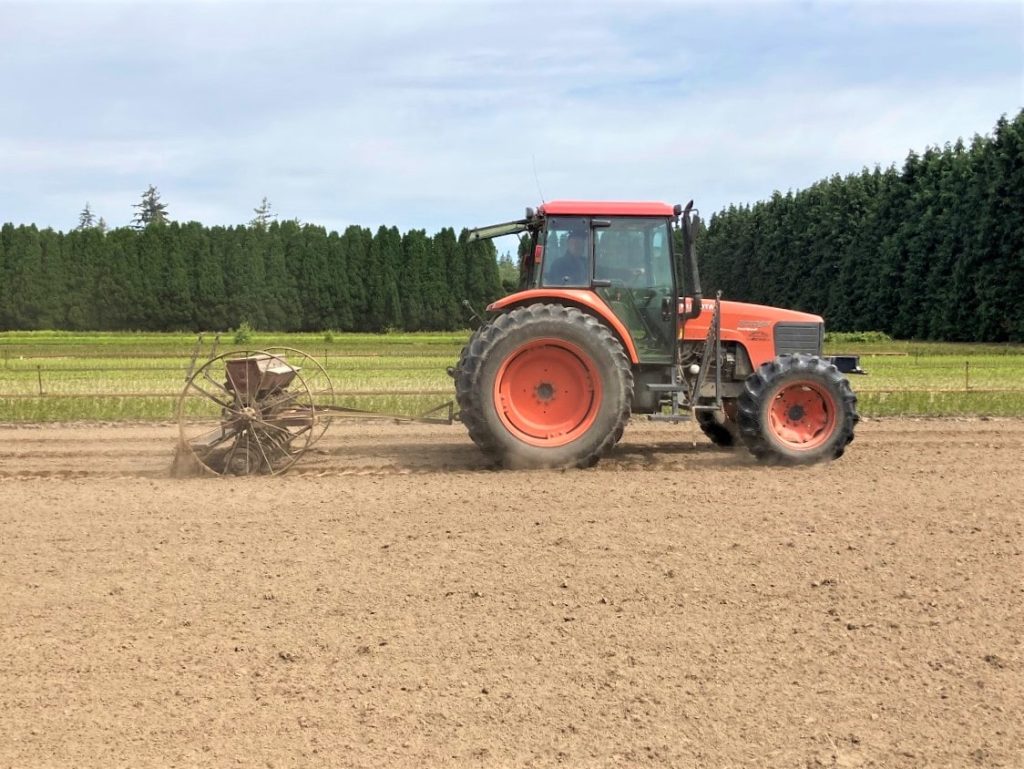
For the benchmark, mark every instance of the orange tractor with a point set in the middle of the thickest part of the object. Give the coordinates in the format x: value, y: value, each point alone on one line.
x: 600, y: 329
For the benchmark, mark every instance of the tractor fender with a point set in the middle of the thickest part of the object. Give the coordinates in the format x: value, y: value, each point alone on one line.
x: 585, y: 300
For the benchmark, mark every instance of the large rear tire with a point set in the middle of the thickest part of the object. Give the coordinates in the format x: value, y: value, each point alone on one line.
x: 797, y: 409
x: 544, y: 386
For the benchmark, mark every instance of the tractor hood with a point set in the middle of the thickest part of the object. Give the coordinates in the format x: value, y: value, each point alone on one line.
x: 747, y: 323
x: 747, y: 311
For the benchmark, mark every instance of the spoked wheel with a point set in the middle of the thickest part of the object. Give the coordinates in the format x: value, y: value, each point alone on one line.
x: 544, y: 386
x: 797, y: 409
x: 317, y: 380
x: 248, y: 412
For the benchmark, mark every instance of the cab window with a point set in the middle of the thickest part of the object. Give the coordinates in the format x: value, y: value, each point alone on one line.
x: 567, y: 252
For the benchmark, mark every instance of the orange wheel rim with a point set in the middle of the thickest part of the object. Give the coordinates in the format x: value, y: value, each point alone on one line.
x: 802, y: 415
x: 547, y: 392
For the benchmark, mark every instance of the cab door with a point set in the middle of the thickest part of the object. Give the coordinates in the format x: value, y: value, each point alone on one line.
x: 633, y: 275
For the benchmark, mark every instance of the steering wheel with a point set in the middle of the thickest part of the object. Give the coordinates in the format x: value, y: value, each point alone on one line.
x: 634, y: 277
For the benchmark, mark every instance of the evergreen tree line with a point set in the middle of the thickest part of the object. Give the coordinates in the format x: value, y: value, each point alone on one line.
x: 934, y: 250
x: 282, y: 276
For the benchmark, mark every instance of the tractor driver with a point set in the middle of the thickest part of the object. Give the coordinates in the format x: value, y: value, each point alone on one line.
x: 572, y: 267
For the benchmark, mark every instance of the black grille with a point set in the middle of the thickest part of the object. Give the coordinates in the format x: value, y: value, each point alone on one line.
x: 798, y: 337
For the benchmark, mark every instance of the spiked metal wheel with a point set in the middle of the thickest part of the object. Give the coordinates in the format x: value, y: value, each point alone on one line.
x: 248, y: 412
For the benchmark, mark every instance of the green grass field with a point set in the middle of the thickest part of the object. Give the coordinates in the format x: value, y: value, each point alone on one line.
x: 58, y: 376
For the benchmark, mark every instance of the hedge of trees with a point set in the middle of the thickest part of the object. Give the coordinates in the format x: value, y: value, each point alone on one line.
x: 164, y: 276
x: 932, y: 250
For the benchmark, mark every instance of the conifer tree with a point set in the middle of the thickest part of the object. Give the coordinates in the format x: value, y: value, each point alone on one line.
x: 483, y: 284
x: 434, y: 282
x: 284, y: 310
x: 201, y: 252
x: 86, y: 218
x: 307, y: 248
x: 25, y: 278
x: 452, y: 258
x: 410, y: 279
x: 263, y: 215
x: 357, y: 242
x: 340, y: 279
x: 383, y: 305
x: 84, y: 250
x: 117, y: 276
x: 6, y: 321
x: 150, y: 209
x: 174, y: 295
x: 243, y: 281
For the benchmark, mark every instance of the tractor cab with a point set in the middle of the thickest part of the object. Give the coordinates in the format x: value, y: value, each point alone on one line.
x: 621, y: 252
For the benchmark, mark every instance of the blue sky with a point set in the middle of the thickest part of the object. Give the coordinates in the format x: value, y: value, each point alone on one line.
x: 430, y: 114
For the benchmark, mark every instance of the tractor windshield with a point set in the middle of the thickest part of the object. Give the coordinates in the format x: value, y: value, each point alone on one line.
x: 634, y: 251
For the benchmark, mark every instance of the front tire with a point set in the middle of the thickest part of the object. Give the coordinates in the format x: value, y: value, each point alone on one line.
x: 719, y: 427
x: 797, y: 409
x: 544, y: 385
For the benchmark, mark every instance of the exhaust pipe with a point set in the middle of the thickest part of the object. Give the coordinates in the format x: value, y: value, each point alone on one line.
x: 690, y: 246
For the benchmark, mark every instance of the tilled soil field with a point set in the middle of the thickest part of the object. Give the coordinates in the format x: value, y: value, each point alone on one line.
x: 394, y: 602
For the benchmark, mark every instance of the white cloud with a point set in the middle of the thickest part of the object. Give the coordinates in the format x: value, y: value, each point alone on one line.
x: 425, y: 115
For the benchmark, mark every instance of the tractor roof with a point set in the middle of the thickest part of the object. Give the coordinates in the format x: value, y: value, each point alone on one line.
x: 604, y: 208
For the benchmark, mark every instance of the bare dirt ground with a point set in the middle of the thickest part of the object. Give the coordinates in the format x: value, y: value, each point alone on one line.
x: 393, y: 602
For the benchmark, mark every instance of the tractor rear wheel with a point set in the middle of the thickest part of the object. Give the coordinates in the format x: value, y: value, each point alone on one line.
x: 797, y: 409
x: 544, y: 386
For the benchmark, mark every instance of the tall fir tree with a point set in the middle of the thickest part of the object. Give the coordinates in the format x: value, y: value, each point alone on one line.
x: 340, y: 279
x: 6, y: 318
x: 206, y: 276
x: 84, y: 253
x: 434, y: 282
x: 86, y: 218
x: 452, y: 258
x: 415, y: 256
x: 263, y: 215
x: 151, y: 210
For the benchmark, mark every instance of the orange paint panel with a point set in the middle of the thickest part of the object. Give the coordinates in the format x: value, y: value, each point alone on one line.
x: 579, y: 297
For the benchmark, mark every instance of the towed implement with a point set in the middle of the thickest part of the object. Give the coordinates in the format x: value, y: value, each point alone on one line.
x: 609, y: 321
x: 256, y: 412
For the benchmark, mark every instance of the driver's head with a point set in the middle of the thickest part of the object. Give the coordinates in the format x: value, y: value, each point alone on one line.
x: 575, y: 246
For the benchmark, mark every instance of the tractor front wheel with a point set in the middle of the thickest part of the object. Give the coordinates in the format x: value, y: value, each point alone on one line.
x: 797, y: 409
x: 720, y: 426
x: 544, y: 386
